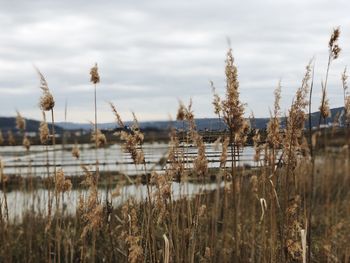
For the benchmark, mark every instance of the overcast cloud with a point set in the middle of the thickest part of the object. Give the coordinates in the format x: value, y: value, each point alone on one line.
x: 152, y: 53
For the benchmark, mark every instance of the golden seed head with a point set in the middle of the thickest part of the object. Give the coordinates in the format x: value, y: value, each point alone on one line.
x: 223, y: 156
x: 76, y: 151
x: 99, y: 138
x: 324, y: 107
x: 132, y: 140
x: 216, y: 100
x: 47, y: 101
x: 347, y: 108
x: 117, y: 116
x: 273, y: 127
x: 26, y: 143
x: 44, y: 131
x: 61, y: 183
x: 344, y: 78
x: 334, y: 48
x: 11, y: 138
x: 95, y: 77
x: 180, y: 116
x: 20, y: 122
x: 334, y: 37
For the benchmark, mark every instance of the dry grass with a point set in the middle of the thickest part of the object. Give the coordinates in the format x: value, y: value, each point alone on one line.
x: 294, y: 207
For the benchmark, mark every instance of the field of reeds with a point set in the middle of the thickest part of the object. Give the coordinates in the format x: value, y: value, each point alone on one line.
x: 293, y: 205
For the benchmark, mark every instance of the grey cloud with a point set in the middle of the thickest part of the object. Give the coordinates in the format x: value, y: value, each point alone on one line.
x: 151, y: 53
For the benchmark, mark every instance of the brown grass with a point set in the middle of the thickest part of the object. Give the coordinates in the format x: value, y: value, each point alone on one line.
x: 293, y: 207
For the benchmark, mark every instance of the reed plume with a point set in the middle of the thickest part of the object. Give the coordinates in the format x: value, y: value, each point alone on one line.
x: 11, y: 138
x: 99, y: 138
x: 61, y: 183
x: 132, y: 139
x: 200, y: 162
x: 216, y: 100
x: 47, y: 101
x: 180, y: 116
x: 20, y: 122
x: 273, y: 127
x: 324, y: 107
x: 344, y: 80
x: 76, y: 151
x: 26, y: 142
x: 44, y: 131
x: 296, y: 121
x: 95, y: 77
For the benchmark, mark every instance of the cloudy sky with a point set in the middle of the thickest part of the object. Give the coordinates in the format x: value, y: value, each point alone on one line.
x: 153, y: 53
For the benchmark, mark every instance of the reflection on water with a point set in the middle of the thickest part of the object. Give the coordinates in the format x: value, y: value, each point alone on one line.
x: 21, y: 201
x: 18, y: 162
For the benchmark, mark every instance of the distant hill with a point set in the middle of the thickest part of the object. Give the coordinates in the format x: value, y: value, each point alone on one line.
x: 9, y: 123
x: 202, y: 123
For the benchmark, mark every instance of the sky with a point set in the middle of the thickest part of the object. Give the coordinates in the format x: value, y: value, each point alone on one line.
x: 151, y: 54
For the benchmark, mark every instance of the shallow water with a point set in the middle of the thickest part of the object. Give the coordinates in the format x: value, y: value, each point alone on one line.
x: 21, y: 201
x: 19, y: 162
x: 34, y: 163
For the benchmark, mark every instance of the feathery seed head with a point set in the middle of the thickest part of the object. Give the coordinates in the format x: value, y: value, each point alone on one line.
x: 180, y: 116
x: 324, y: 107
x: 26, y: 143
x: 117, y: 116
x: 216, y: 100
x: 44, y: 131
x: 95, y: 77
x: 20, y: 122
x: 61, y: 183
x: 47, y: 101
x: 344, y: 78
x: 334, y: 48
x: 76, y: 151
x: 99, y: 138
x: 11, y: 138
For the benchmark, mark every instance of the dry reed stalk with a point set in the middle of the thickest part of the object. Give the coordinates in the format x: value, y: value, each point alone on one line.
x: 333, y: 54
x: 95, y: 78
x: 3, y: 179
x: 232, y: 110
x: 274, y: 141
x: 2, y: 140
x: 292, y: 145
x: 133, y: 140
x: 166, y: 250
x: 91, y: 213
x: 346, y: 118
x: 344, y: 78
x: 47, y: 103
